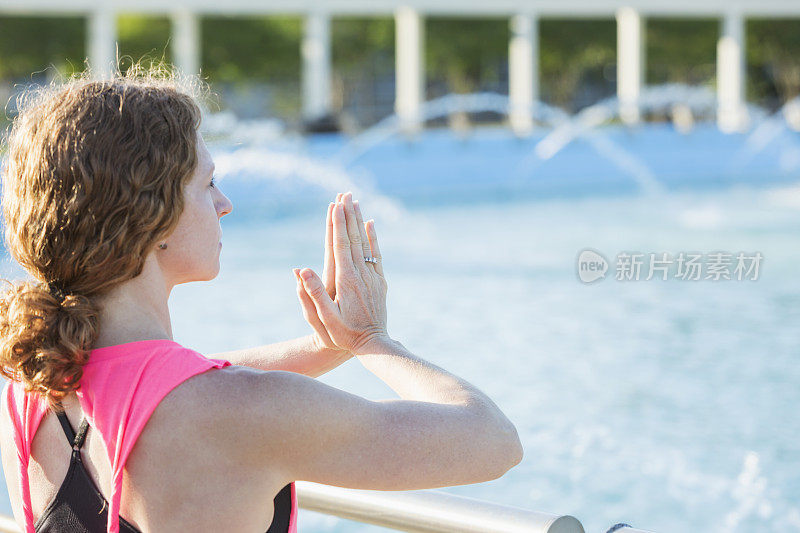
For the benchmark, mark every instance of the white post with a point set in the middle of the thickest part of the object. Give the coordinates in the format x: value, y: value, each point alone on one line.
x: 731, y: 112
x: 409, y: 77
x: 186, y: 41
x: 102, y: 42
x: 316, y: 51
x: 523, y: 71
x: 630, y: 63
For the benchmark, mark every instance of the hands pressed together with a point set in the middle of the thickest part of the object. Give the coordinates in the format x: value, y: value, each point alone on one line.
x: 347, y: 307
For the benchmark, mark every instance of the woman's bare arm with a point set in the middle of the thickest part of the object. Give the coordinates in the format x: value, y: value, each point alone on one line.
x: 443, y: 431
x: 303, y: 355
x: 312, y: 355
x: 292, y: 427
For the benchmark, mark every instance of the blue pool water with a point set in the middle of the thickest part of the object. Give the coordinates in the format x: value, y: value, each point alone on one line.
x: 663, y: 404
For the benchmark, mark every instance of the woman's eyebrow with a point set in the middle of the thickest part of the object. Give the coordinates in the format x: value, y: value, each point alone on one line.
x: 213, y: 168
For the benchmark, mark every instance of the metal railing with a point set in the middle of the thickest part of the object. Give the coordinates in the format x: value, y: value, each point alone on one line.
x: 423, y: 511
x: 8, y: 525
x: 428, y: 511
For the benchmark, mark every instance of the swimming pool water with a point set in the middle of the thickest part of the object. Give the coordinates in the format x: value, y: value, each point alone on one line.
x: 668, y: 405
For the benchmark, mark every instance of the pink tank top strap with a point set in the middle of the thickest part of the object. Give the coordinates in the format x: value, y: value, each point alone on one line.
x: 26, y: 412
x: 120, y: 388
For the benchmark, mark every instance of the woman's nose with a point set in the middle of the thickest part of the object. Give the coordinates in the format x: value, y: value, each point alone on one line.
x: 224, y: 206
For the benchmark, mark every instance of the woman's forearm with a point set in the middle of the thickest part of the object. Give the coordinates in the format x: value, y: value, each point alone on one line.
x: 414, y: 378
x: 301, y: 355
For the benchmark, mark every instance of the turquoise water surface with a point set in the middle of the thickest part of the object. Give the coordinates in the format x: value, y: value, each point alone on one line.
x: 663, y: 404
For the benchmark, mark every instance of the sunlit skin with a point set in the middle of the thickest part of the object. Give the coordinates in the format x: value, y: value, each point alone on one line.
x: 237, y: 435
x: 138, y: 309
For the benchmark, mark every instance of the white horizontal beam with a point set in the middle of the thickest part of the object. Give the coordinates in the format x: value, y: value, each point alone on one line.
x: 547, y: 8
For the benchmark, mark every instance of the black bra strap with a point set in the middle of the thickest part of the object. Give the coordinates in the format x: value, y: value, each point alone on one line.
x: 68, y: 431
x: 76, y: 441
x: 81, y: 436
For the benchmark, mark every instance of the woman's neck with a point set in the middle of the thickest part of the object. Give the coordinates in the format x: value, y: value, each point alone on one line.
x: 135, y: 310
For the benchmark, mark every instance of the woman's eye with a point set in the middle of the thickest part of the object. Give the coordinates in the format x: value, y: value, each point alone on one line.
x: 213, y: 182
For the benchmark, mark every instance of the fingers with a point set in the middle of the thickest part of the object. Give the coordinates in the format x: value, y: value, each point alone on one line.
x: 354, y: 235
x: 341, y: 243
x: 327, y: 310
x: 362, y: 231
x: 309, y: 309
x: 373, y: 245
x: 329, y: 268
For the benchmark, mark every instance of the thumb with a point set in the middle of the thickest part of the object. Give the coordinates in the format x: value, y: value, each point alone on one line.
x: 326, y: 308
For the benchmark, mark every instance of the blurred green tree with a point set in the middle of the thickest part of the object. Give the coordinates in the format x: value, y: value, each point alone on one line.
x: 577, y: 59
x: 464, y: 55
x: 681, y: 50
x: 773, y: 48
x: 30, y: 45
x: 256, y: 48
x: 254, y: 63
x: 362, y: 52
x: 143, y: 37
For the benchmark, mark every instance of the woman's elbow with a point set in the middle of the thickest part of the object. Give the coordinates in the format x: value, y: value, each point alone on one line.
x: 516, y: 452
x: 508, y: 452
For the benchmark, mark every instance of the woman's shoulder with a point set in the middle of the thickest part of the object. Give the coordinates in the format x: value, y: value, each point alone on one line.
x: 197, y: 433
x: 218, y: 409
x: 220, y: 397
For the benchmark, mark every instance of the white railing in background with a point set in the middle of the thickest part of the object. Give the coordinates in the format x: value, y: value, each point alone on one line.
x: 524, y: 16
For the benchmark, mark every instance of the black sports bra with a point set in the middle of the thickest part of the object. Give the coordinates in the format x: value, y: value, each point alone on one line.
x: 78, y: 507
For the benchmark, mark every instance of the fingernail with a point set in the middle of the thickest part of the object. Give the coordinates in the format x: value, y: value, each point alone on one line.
x: 306, y: 274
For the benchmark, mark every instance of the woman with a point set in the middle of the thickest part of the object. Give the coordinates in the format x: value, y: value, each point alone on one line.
x: 109, y: 201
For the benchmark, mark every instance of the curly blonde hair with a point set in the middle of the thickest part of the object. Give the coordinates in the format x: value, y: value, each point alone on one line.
x: 94, y: 178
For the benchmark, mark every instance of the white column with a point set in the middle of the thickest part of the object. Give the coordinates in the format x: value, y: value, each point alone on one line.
x: 101, y: 46
x: 630, y: 62
x: 523, y: 71
x: 731, y: 112
x: 409, y: 77
x: 186, y: 41
x: 316, y: 51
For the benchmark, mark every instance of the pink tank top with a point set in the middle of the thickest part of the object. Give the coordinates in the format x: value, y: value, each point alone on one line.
x: 120, y: 388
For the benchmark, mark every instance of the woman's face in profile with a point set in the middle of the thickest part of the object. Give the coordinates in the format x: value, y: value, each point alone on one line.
x: 193, y: 249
